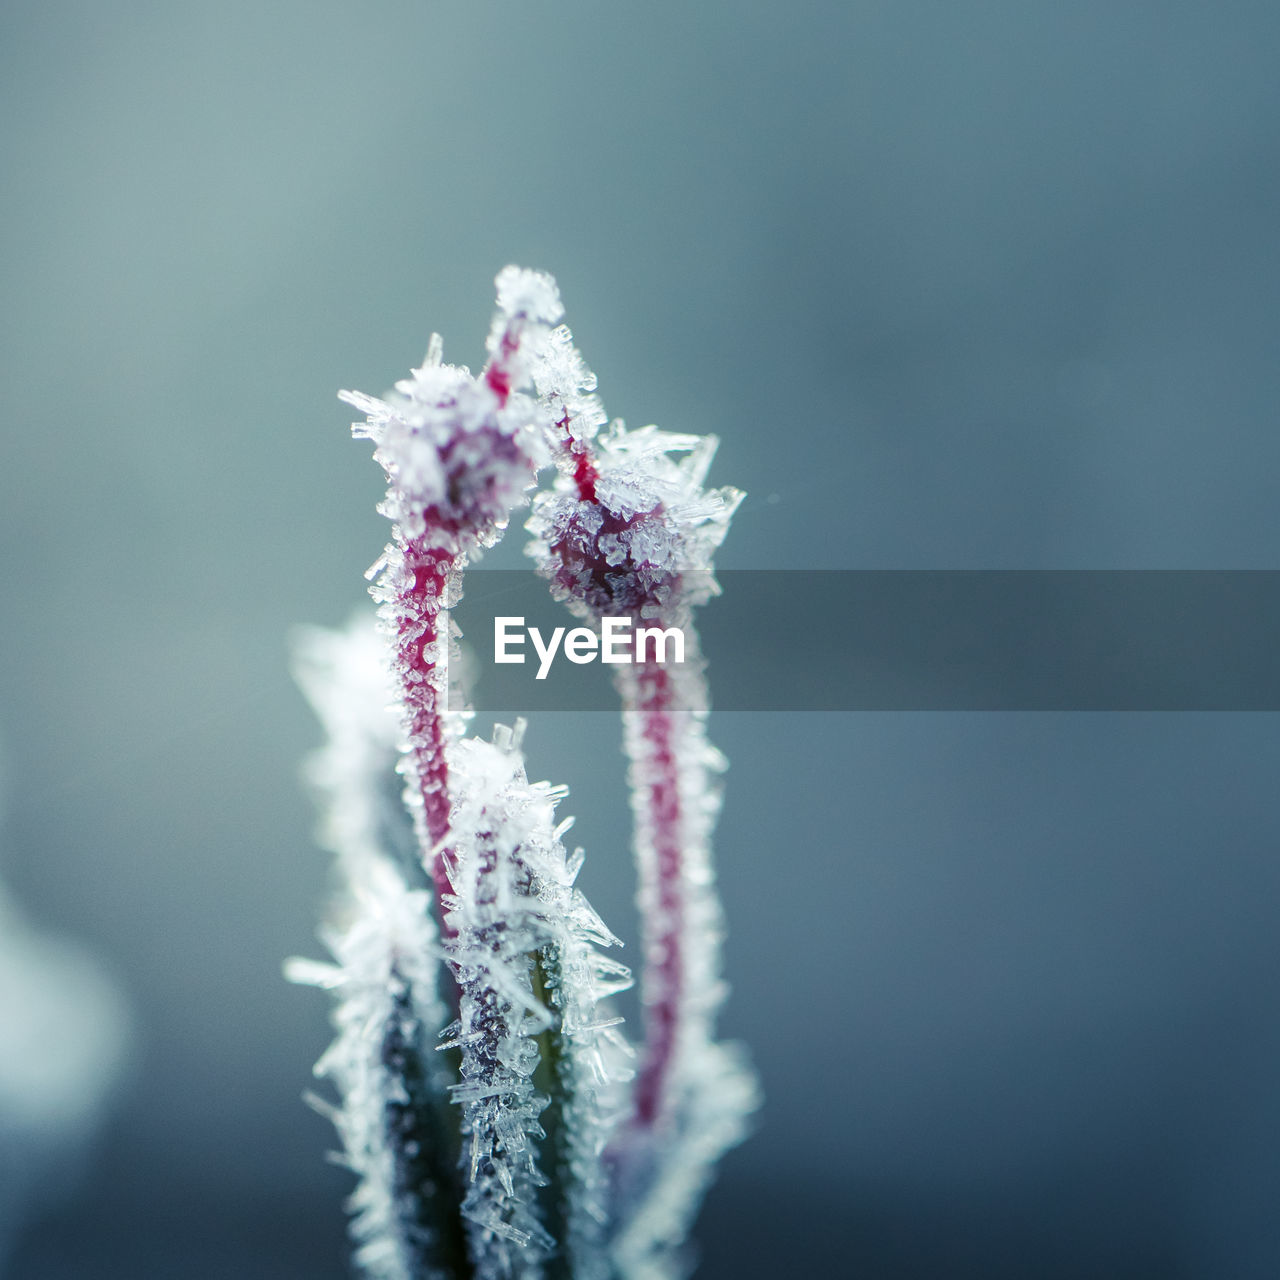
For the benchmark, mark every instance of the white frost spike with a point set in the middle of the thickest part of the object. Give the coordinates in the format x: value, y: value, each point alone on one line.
x: 531, y: 1005
x: 566, y: 386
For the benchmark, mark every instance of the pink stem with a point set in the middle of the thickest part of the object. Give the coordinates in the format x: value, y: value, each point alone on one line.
x: 423, y: 681
x: 660, y: 822
x: 425, y: 572
x: 660, y: 837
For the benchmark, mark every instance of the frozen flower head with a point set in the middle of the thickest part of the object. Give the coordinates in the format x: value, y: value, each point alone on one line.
x: 457, y: 459
x: 628, y: 528
x: 460, y: 451
x: 635, y: 534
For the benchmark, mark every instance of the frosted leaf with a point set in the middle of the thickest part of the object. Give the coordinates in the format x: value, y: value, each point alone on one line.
x: 392, y: 1113
x: 532, y: 1021
x: 497, y: 1147
x: 693, y: 1096
x: 459, y: 453
x: 392, y: 1116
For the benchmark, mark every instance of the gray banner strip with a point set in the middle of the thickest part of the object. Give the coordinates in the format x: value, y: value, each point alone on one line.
x: 924, y: 640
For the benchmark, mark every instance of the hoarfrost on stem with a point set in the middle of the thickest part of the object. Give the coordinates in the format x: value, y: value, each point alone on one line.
x: 517, y: 1142
x: 459, y: 453
x: 628, y: 529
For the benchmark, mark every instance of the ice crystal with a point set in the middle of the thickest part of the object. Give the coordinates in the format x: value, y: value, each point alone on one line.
x: 514, y: 1143
x: 566, y: 386
x: 460, y: 451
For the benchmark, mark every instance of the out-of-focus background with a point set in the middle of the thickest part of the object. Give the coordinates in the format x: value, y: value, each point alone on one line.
x: 959, y: 285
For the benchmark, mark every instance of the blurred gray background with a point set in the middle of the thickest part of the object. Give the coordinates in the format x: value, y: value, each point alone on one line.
x: 959, y: 285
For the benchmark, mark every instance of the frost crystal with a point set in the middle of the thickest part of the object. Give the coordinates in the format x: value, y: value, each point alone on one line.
x: 517, y: 1143
x: 459, y: 451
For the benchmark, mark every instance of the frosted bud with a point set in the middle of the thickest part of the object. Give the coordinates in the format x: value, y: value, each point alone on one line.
x: 455, y: 458
x: 643, y: 539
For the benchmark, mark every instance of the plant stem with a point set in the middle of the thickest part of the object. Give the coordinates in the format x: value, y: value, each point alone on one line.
x: 651, y: 716
x: 421, y: 637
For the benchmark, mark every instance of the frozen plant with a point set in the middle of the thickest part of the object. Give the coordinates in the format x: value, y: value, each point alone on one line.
x: 498, y: 1122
